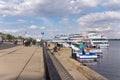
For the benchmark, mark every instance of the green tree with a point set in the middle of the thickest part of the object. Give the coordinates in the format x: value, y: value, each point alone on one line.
x: 1, y: 33
x: 20, y: 37
x: 29, y: 39
x: 10, y: 37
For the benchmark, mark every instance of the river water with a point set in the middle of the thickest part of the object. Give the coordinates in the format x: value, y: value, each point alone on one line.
x: 109, y: 64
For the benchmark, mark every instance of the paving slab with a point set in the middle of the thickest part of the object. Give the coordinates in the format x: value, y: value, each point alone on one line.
x: 26, y: 63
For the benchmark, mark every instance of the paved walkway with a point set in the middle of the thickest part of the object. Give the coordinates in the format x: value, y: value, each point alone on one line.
x: 21, y: 63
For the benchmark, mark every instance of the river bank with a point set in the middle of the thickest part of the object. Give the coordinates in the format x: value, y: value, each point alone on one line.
x: 75, y: 68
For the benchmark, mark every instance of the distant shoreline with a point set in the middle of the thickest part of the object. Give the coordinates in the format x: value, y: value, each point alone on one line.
x: 114, y: 39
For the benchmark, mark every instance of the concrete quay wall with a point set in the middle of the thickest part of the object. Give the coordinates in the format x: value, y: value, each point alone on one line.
x: 74, y: 67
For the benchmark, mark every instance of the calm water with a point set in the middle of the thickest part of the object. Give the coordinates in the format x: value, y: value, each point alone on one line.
x: 109, y: 65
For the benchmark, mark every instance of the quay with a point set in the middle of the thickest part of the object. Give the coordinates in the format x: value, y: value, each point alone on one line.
x: 22, y: 63
x: 37, y: 63
x: 74, y: 67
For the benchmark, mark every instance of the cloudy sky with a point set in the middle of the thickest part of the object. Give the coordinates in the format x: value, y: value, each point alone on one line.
x: 29, y: 18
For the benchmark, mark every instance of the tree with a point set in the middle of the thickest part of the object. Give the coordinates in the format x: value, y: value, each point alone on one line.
x: 20, y: 37
x: 10, y: 37
x: 1, y: 33
x: 29, y: 39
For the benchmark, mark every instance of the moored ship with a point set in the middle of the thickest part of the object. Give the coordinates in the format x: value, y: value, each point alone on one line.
x: 96, y: 39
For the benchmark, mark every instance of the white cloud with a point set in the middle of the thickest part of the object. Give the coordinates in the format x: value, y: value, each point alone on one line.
x: 36, y: 27
x: 107, y: 16
x: 21, y: 21
x: 64, y: 21
x: 104, y: 21
x: 100, y: 19
x: 43, y: 27
x: 111, y: 4
x: 53, y: 7
x: 118, y: 33
x: 33, y: 27
x: 46, y: 7
x: 28, y: 35
x: 46, y: 21
x: 9, y: 30
x: 12, y: 22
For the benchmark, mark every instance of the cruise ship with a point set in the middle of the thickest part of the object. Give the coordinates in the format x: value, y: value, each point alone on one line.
x: 68, y: 38
x: 75, y: 38
x: 95, y: 38
x: 60, y: 38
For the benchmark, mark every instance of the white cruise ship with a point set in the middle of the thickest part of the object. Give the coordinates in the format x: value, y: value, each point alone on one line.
x: 95, y: 38
x: 75, y: 38
x: 60, y: 38
x: 68, y: 38
x: 91, y: 37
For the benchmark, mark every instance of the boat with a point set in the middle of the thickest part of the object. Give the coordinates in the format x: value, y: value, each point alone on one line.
x: 91, y: 55
x: 87, y: 57
x: 88, y: 50
x: 96, y: 51
x: 95, y: 39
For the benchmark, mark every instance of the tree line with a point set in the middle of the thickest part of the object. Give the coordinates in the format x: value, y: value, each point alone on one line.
x: 9, y: 37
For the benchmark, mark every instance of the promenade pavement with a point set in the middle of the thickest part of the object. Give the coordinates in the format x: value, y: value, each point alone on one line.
x: 22, y: 63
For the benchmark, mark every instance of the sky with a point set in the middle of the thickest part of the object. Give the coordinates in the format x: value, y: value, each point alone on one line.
x: 28, y: 18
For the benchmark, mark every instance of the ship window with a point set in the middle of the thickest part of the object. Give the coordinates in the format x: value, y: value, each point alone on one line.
x: 100, y: 42
x: 98, y: 39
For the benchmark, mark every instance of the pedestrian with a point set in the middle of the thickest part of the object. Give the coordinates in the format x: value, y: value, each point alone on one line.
x: 23, y: 42
x: 81, y: 46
